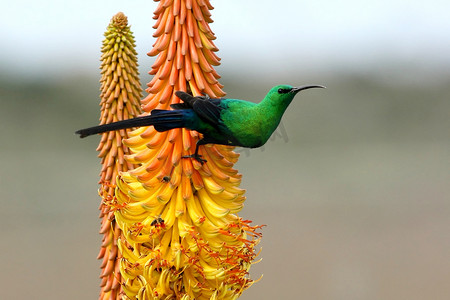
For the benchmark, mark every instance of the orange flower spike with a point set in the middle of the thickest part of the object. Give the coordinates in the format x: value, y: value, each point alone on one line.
x: 120, y: 94
x: 181, y: 237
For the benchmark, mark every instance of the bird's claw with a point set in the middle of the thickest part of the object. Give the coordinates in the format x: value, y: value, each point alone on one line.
x: 197, y: 157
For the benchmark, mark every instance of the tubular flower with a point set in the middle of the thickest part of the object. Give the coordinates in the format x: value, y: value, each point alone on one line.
x: 120, y: 99
x: 181, y: 237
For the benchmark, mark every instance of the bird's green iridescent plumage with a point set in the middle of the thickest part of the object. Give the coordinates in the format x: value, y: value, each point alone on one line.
x: 221, y: 121
x: 252, y: 124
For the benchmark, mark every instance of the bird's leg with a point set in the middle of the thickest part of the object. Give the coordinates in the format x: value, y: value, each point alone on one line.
x: 196, y: 156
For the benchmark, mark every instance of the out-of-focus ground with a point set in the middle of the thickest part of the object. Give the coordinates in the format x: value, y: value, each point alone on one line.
x: 354, y: 189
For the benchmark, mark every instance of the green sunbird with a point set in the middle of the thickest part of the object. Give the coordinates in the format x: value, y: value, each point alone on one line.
x: 222, y: 121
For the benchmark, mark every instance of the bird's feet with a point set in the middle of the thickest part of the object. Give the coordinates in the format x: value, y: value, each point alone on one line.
x: 197, y: 157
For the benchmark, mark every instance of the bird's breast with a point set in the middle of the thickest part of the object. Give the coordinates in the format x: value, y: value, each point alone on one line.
x: 251, y: 126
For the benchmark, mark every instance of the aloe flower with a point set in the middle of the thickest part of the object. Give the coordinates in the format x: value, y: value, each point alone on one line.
x: 120, y: 99
x: 181, y: 235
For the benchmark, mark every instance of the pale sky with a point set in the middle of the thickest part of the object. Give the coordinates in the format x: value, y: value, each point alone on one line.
x: 66, y: 35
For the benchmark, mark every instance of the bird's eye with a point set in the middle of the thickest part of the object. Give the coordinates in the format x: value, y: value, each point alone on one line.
x: 283, y: 91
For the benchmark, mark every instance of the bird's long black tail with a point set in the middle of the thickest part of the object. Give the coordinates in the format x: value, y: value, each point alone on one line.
x: 162, y: 120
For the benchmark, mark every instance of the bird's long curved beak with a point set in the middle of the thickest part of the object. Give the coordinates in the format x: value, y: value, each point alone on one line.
x: 305, y: 87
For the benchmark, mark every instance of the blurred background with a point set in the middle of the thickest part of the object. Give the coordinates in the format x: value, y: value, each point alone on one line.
x: 354, y: 187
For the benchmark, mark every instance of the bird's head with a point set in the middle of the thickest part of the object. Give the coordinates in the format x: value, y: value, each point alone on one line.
x: 280, y: 96
x: 285, y: 93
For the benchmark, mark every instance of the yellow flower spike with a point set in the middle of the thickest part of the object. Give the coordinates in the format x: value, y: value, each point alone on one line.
x: 212, y: 186
x: 131, y: 287
x: 120, y: 95
x: 181, y: 237
x: 212, y: 207
x: 195, y: 211
x: 180, y: 204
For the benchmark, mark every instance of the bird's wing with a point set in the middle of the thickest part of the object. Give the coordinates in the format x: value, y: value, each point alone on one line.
x: 186, y: 98
x: 207, y: 108
x: 180, y: 106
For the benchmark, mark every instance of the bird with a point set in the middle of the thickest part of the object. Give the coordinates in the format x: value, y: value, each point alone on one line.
x: 222, y: 121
